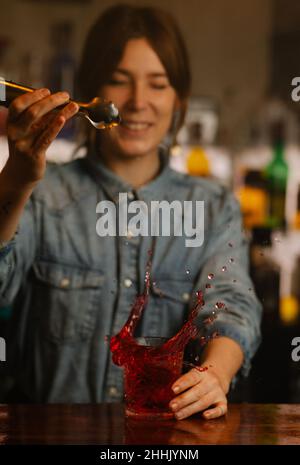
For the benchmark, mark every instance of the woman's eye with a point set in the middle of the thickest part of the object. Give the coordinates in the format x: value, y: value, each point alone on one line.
x: 159, y: 86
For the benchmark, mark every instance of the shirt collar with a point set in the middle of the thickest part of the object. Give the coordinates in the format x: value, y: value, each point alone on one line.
x: 112, y: 184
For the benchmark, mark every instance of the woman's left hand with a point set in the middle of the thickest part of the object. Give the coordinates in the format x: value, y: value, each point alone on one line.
x: 198, y: 391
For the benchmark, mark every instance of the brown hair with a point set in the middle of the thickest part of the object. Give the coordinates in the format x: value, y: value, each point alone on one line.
x: 108, y: 37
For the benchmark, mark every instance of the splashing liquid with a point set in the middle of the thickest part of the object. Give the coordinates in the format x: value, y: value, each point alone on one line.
x: 151, y: 370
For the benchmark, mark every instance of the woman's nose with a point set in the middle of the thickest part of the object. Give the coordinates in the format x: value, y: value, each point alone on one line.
x: 138, y: 97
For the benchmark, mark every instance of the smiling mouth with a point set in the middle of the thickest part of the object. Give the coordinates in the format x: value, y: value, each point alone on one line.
x: 135, y: 126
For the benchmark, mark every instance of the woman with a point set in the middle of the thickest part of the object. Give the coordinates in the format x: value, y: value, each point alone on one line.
x: 71, y: 287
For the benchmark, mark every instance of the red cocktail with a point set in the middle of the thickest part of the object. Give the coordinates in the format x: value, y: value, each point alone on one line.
x: 152, y: 365
x: 148, y: 377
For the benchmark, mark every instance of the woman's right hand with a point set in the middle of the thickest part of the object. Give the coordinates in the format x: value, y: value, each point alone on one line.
x: 31, y: 128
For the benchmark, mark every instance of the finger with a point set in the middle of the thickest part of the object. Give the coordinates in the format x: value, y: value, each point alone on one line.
x: 201, y: 404
x: 31, y: 143
x: 191, y: 395
x: 20, y: 104
x: 218, y: 411
x: 36, y: 111
x: 24, y: 144
x: 67, y: 112
x: 46, y: 138
x: 41, y: 124
x: 188, y: 380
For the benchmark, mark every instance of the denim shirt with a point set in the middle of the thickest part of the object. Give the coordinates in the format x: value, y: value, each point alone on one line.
x: 70, y: 288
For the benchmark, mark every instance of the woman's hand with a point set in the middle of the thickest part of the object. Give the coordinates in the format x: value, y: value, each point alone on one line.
x: 205, y: 391
x: 200, y: 391
x: 31, y: 128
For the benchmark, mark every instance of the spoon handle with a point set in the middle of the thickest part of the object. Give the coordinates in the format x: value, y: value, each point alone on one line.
x: 10, y: 90
x: 99, y: 112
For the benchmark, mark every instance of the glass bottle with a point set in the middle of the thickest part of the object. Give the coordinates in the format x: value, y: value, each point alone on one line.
x: 253, y: 199
x: 197, y: 161
x: 276, y: 174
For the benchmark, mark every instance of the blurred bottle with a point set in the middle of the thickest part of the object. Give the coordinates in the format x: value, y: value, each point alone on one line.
x: 253, y: 199
x: 289, y: 310
x: 265, y: 273
x: 289, y: 281
x: 296, y: 219
x: 276, y: 174
x: 197, y: 161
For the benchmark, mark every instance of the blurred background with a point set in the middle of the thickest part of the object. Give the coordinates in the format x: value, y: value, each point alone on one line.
x: 242, y: 129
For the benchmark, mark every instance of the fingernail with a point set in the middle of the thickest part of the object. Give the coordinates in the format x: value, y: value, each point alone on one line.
x: 45, y: 91
x: 174, y: 406
x: 73, y: 106
x: 178, y: 415
x: 207, y: 414
x: 176, y: 389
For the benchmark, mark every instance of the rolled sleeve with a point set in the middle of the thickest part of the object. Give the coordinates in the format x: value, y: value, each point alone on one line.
x: 17, y: 255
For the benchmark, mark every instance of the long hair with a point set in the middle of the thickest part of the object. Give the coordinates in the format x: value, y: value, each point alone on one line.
x: 108, y: 37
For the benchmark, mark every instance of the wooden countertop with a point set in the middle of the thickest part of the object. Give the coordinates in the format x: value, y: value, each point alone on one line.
x: 105, y: 424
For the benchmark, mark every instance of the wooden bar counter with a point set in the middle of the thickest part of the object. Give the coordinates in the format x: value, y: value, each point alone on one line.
x: 106, y: 424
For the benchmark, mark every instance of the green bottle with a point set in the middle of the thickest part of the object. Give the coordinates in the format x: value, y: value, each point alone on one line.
x: 276, y: 174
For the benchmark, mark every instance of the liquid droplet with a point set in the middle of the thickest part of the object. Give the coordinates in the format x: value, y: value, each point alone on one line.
x: 201, y: 369
x: 219, y: 305
x: 208, y: 286
x: 230, y: 244
x: 187, y: 271
x: 211, y: 276
x: 224, y: 268
x: 231, y: 260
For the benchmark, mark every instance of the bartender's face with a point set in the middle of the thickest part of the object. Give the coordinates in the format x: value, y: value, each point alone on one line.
x: 141, y: 90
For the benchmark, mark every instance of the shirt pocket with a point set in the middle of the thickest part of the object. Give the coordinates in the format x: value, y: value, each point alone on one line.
x: 168, y: 307
x: 66, y: 301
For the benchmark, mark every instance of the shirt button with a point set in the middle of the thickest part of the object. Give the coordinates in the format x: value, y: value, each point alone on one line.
x: 186, y: 296
x: 127, y: 282
x: 113, y: 391
x: 130, y: 195
x: 65, y: 282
